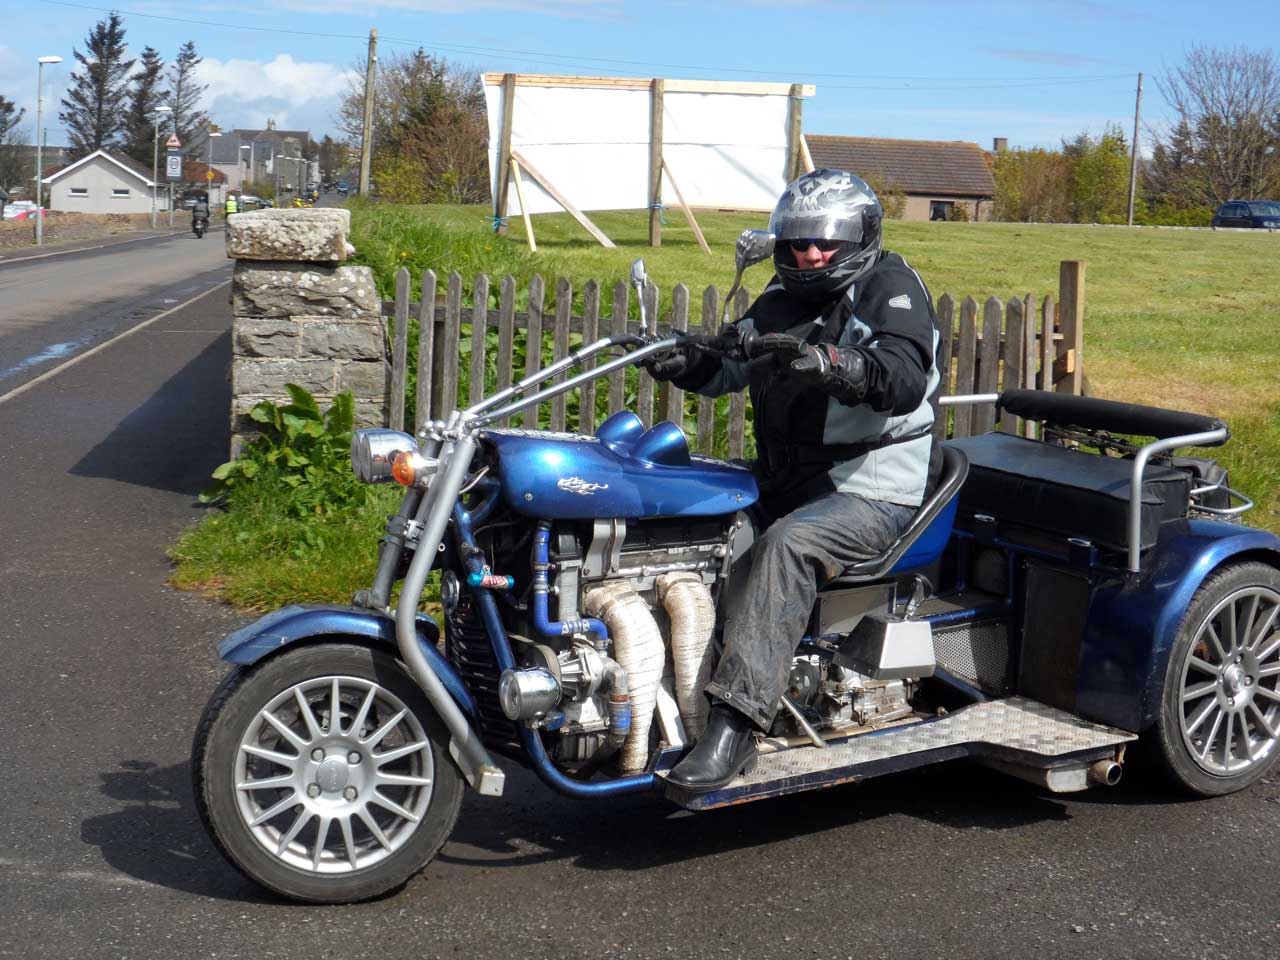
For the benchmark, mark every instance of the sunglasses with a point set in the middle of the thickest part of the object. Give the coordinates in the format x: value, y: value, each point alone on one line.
x: 801, y: 244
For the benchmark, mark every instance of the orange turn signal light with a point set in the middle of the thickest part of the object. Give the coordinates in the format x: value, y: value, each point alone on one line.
x: 402, y: 468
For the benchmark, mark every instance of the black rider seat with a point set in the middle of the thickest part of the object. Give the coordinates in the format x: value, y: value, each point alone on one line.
x: 926, y: 537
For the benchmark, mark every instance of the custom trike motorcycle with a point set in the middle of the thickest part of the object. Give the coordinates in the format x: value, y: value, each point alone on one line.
x: 1053, y: 600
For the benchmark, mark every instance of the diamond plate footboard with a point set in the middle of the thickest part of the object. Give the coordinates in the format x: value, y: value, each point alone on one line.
x: 1015, y: 729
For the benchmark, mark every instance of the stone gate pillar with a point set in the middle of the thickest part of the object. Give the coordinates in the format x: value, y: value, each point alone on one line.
x: 301, y: 315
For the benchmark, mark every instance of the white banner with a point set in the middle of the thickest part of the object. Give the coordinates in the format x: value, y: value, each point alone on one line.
x: 725, y: 143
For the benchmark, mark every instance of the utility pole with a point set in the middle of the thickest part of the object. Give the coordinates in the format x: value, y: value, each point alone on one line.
x: 366, y: 138
x: 1133, y: 161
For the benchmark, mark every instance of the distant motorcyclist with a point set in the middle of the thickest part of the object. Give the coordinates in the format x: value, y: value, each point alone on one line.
x: 200, y: 216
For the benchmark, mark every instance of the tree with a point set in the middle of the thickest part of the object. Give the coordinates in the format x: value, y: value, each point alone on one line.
x: 144, y: 97
x: 94, y: 107
x: 1032, y: 186
x: 334, y: 158
x: 12, y: 173
x: 1225, y: 141
x: 1099, y: 176
x: 429, y: 130
x: 184, y: 93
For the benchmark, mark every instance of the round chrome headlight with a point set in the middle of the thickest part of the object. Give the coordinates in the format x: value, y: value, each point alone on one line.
x: 373, y: 451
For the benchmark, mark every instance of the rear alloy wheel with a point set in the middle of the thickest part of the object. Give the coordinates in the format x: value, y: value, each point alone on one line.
x: 325, y: 775
x: 1219, y: 726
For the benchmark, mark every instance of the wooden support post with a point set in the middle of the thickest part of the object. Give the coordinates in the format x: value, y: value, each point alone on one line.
x: 1071, y: 323
x: 656, y: 162
x: 504, y: 153
x: 795, y: 126
x: 697, y: 231
x: 564, y: 201
x: 806, y: 157
x: 524, y: 207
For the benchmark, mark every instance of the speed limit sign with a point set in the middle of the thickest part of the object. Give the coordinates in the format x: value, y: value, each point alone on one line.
x: 173, y: 166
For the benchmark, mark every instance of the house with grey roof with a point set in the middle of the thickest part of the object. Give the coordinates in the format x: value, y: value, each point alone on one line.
x: 102, y: 182
x: 271, y: 155
x: 936, y: 176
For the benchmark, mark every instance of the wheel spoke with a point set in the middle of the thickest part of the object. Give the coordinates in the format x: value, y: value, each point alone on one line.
x: 335, y: 710
x: 394, y: 807
x: 303, y: 818
x: 273, y: 811
x: 283, y: 759
x: 1196, y: 692
x: 1244, y: 737
x: 1261, y: 633
x: 348, y: 840
x: 1270, y: 671
x: 309, y: 718
x: 398, y: 752
x: 1244, y: 627
x: 268, y: 783
x: 1217, y: 642
x: 1271, y: 648
x: 1260, y: 719
x: 377, y: 736
x: 282, y: 728
x: 374, y: 829
x: 362, y: 714
x: 322, y: 834
x: 1203, y: 666
x: 402, y: 780
x: 1231, y: 622
x: 1269, y: 694
x: 1201, y: 716
x: 1213, y: 736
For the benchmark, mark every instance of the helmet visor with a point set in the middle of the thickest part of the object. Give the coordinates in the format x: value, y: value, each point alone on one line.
x: 818, y: 225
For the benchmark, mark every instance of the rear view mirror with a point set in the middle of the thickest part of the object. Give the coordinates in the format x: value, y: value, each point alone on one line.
x: 754, y: 246
x: 638, y: 275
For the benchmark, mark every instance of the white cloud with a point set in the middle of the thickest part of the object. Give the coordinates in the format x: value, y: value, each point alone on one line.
x: 297, y: 95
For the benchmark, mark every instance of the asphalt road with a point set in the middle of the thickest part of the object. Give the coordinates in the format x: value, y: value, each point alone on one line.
x: 106, y: 668
x: 53, y: 307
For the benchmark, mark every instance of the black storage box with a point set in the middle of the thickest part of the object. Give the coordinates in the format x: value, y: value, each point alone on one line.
x: 1066, y: 493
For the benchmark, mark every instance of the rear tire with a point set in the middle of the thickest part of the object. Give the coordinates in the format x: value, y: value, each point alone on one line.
x: 324, y: 774
x: 1218, y: 729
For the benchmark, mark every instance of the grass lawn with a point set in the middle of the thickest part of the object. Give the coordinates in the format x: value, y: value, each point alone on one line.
x: 1177, y: 318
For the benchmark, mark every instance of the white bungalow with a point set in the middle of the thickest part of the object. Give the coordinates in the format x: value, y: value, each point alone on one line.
x: 103, y: 182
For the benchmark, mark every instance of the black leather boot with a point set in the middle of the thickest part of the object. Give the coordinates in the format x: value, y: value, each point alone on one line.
x: 726, y: 748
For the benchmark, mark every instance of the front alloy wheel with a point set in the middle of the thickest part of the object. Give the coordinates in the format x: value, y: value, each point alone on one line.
x: 323, y: 774
x: 1220, y: 718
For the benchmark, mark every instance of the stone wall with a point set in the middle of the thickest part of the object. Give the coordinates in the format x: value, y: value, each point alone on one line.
x: 300, y: 315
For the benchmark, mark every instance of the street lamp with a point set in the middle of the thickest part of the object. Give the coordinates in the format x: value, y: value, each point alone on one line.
x: 155, y: 160
x: 208, y: 178
x: 40, y: 142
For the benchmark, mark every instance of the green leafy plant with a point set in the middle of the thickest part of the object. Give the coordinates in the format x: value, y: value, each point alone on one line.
x: 305, y: 449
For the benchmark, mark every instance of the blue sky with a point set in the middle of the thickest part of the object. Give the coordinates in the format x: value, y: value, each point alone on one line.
x: 1034, y: 71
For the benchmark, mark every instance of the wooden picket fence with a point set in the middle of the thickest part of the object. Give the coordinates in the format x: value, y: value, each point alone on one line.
x: 984, y: 348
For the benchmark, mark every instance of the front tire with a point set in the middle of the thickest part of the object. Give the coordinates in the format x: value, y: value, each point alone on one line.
x: 1219, y: 724
x: 324, y: 774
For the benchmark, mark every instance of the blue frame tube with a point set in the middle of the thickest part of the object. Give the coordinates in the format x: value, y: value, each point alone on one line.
x: 539, y: 760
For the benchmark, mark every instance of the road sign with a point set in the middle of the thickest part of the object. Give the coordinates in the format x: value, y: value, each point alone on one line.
x: 209, y: 176
x: 173, y: 142
x: 173, y: 165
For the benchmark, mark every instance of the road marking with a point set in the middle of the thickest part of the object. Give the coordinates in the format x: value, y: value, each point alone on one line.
x: 29, y: 869
x: 51, y: 352
x: 16, y: 391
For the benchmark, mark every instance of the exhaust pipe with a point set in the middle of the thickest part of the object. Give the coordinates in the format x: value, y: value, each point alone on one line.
x: 1064, y: 778
x: 693, y: 619
x: 639, y: 650
x: 1105, y: 773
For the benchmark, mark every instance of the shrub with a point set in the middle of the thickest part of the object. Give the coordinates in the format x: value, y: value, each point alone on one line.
x: 306, y: 450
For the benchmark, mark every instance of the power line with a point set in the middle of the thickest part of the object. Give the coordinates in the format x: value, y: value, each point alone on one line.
x: 871, y: 81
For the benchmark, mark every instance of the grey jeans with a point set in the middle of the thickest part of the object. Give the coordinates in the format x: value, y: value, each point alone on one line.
x: 774, y: 584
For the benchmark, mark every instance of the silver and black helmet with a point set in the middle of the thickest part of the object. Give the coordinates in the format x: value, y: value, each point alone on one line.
x: 826, y: 205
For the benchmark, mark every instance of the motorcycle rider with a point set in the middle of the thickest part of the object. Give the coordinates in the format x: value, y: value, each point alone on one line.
x: 200, y: 214
x: 842, y: 372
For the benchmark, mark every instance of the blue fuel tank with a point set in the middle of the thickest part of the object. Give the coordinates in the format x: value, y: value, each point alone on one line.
x: 622, y: 471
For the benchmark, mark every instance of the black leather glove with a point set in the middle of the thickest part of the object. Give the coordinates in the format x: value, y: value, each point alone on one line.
x: 840, y: 372
x: 781, y: 347
x: 669, y: 364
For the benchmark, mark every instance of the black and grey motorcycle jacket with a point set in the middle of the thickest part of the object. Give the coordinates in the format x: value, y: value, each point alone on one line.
x: 872, y: 437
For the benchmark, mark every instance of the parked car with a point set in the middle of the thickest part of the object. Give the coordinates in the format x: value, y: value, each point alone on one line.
x: 18, y: 209
x: 249, y: 200
x: 1264, y: 214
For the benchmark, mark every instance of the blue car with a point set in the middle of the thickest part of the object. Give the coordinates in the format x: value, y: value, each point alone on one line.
x: 1261, y: 214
